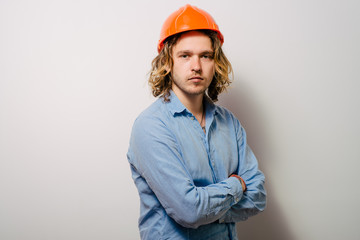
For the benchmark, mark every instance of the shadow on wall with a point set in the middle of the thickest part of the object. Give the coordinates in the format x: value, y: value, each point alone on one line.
x: 270, y: 224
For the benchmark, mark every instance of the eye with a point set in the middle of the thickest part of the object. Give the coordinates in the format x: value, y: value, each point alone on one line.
x: 184, y: 56
x: 207, y: 56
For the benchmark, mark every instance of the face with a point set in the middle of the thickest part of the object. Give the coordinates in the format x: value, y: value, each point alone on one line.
x: 194, y: 66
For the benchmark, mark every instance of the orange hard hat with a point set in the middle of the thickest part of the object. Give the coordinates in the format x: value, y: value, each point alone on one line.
x: 185, y: 19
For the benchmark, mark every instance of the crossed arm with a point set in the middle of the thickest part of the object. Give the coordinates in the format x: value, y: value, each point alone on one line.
x: 156, y: 157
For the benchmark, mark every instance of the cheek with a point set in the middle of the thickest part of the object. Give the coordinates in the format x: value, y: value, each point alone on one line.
x: 176, y: 73
x: 211, y: 69
x: 180, y: 68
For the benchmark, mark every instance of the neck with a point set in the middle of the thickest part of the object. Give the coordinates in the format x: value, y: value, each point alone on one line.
x: 194, y: 103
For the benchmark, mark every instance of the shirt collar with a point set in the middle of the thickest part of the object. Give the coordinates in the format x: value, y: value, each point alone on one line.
x: 175, y: 105
x: 210, y: 106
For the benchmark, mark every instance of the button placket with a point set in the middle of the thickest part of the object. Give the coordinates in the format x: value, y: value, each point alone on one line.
x: 196, y: 124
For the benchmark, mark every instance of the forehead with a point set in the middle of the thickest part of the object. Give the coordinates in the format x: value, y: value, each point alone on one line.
x: 193, y: 41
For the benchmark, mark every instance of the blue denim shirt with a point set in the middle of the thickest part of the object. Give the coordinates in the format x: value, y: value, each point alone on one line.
x: 182, y: 174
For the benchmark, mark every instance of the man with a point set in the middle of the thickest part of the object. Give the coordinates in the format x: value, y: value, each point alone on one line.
x: 189, y: 158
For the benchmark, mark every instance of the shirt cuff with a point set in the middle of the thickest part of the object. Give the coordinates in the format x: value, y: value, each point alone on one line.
x: 236, y: 189
x: 237, y: 193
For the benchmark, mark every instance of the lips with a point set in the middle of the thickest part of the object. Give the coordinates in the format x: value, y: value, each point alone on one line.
x: 196, y: 78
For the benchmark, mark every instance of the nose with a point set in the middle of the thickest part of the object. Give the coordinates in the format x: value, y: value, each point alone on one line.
x: 196, y: 64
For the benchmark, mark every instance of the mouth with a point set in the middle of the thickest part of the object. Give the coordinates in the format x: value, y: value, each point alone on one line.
x: 196, y: 78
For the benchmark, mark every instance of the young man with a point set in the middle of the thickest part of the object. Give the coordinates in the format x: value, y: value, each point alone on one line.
x: 194, y: 171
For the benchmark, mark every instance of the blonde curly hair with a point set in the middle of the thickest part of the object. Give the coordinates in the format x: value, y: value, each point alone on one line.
x: 160, y: 75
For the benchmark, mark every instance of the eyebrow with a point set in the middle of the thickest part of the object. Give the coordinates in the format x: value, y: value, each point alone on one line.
x: 191, y: 52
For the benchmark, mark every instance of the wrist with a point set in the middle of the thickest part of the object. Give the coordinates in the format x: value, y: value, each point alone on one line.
x: 243, y: 184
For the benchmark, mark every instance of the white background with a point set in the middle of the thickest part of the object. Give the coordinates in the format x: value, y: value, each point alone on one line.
x: 73, y: 78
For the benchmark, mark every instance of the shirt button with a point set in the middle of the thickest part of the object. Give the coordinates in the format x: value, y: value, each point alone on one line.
x: 192, y: 118
x: 237, y: 200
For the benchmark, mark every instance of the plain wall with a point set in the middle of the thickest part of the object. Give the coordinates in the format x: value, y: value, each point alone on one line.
x: 73, y: 79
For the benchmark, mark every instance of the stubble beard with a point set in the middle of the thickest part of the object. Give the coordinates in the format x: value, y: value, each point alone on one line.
x: 189, y: 91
